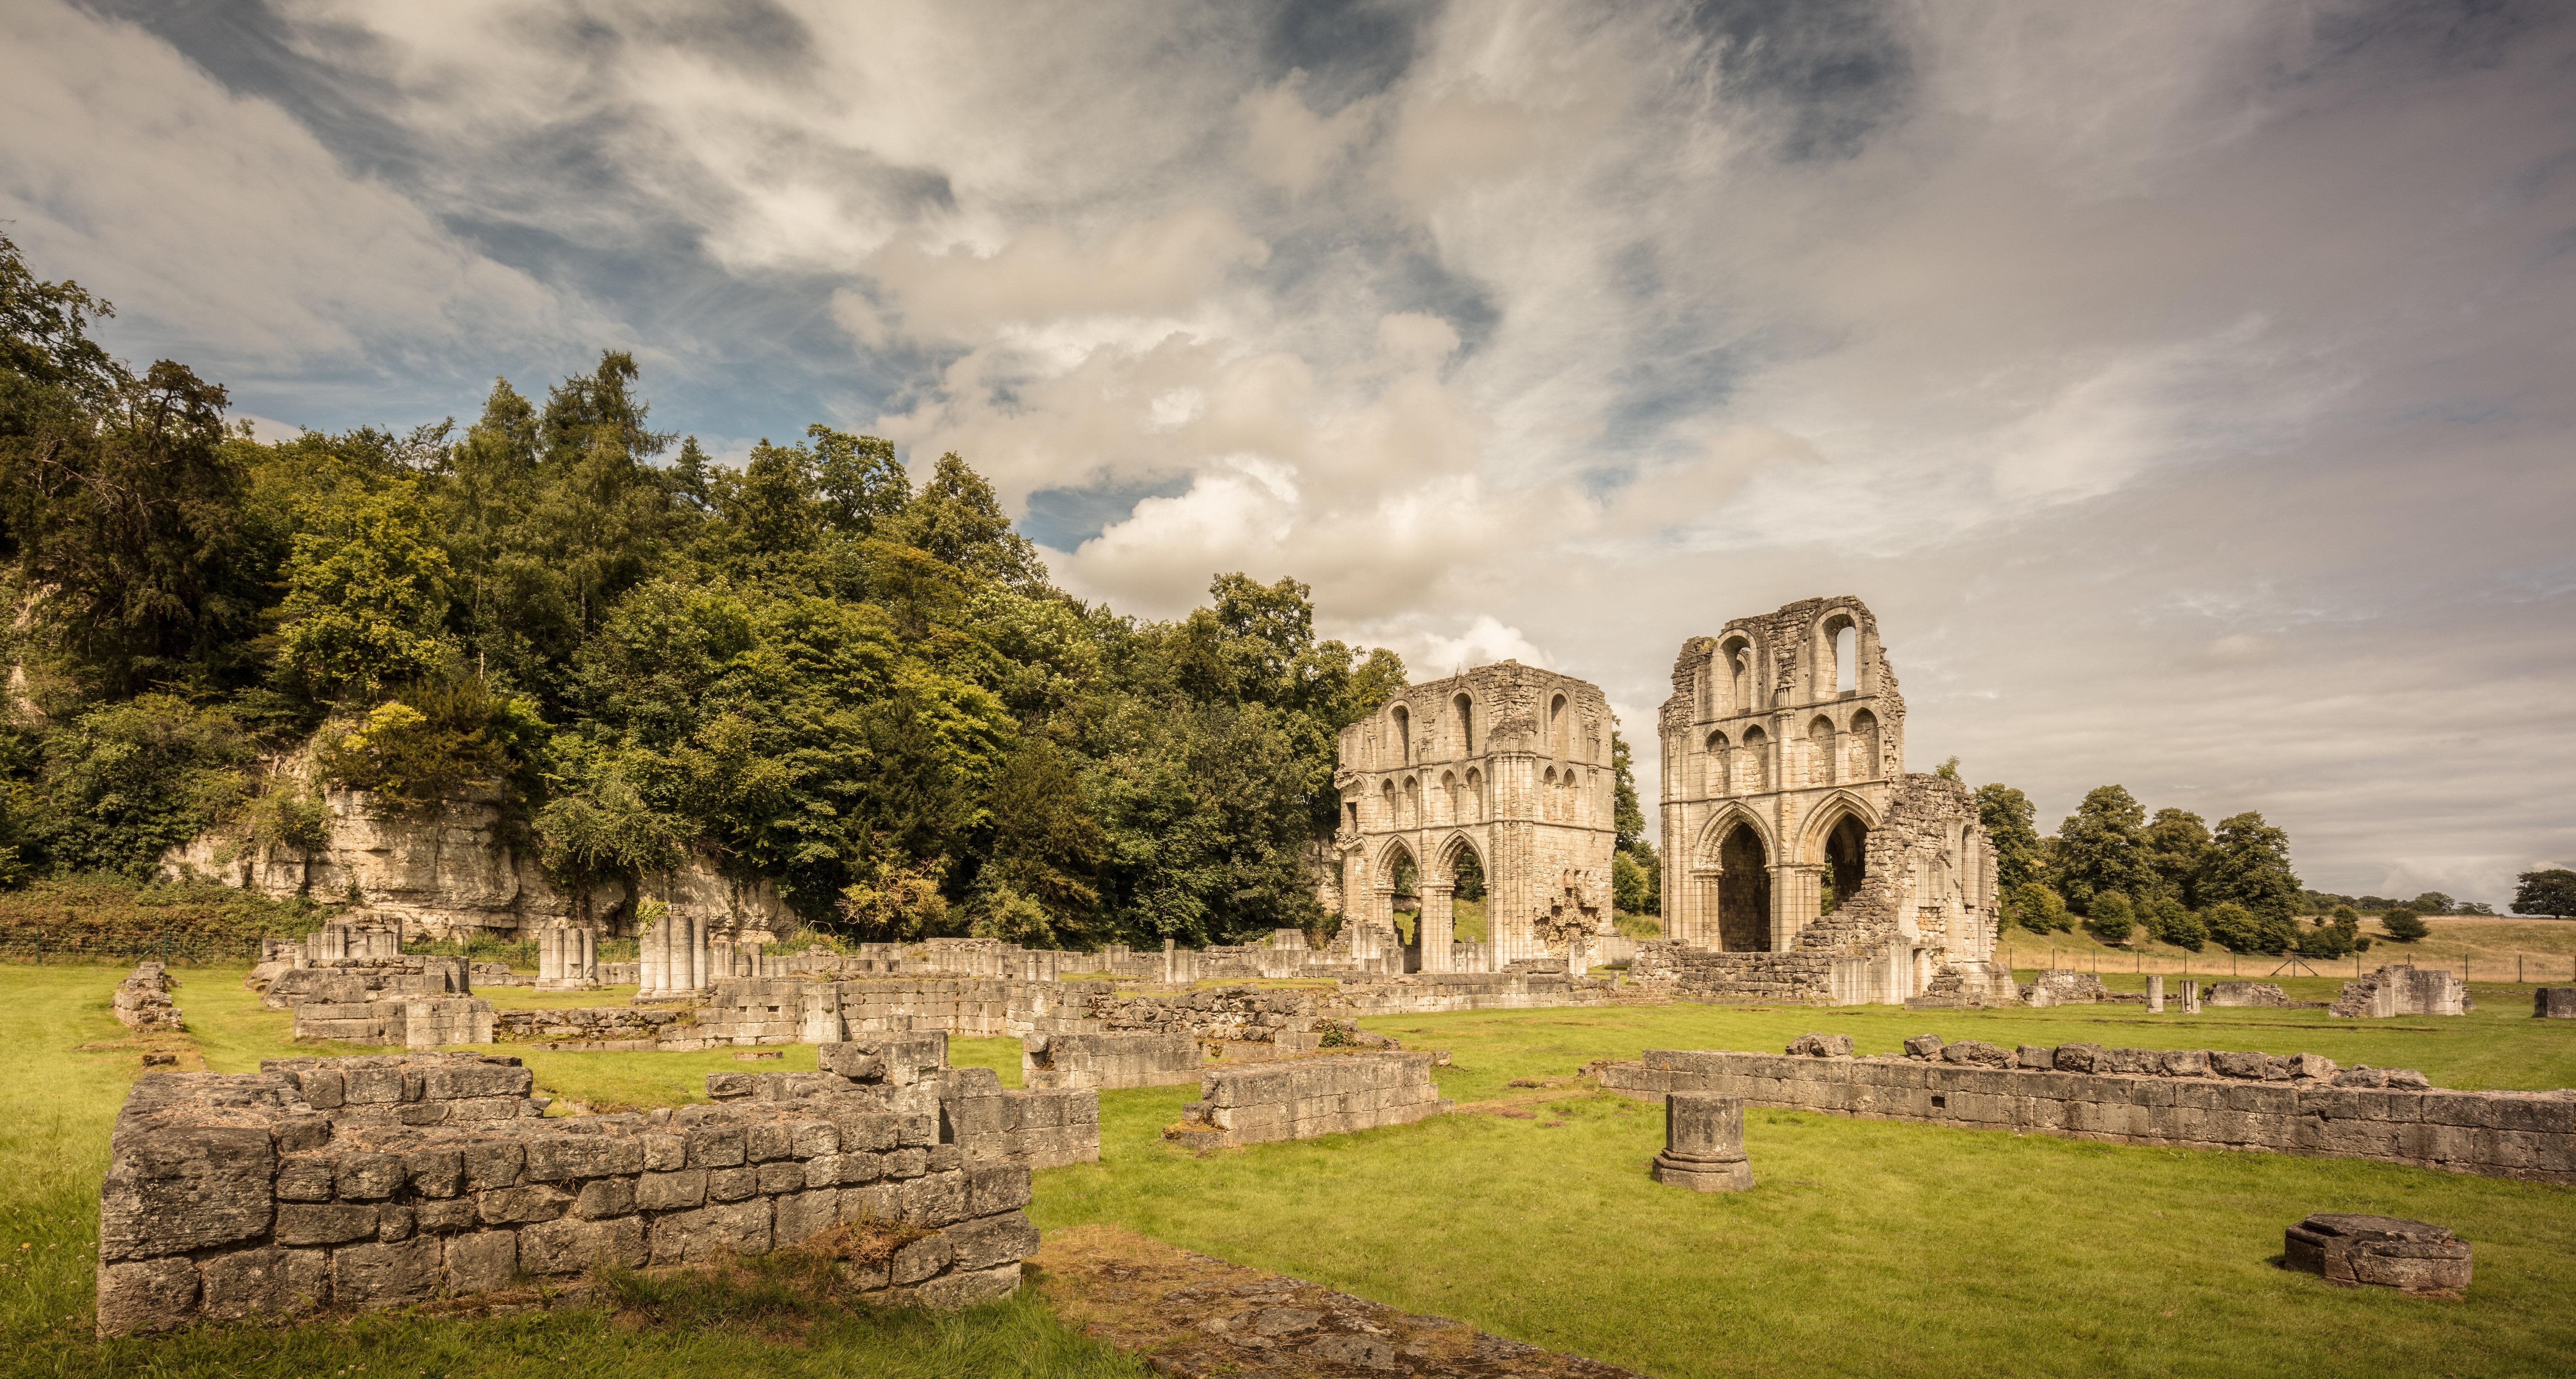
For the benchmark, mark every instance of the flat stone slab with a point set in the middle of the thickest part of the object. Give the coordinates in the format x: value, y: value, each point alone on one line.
x: 1191, y: 1314
x: 2413, y: 1257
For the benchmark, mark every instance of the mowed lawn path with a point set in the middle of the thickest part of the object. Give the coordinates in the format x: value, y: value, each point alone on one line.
x: 1871, y: 1248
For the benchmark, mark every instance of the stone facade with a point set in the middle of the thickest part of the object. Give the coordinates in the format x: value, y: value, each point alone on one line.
x: 2403, y: 990
x: 1303, y: 1098
x: 2192, y: 1098
x: 375, y: 1182
x: 1791, y: 826
x: 1508, y: 763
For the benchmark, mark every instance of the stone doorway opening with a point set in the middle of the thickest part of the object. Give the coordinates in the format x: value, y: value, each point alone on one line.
x: 1846, y: 863
x: 1743, y: 892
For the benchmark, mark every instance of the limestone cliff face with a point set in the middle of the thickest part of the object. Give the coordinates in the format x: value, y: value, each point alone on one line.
x: 457, y: 865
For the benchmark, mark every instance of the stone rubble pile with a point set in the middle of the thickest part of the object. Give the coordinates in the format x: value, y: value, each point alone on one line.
x: 142, y: 1000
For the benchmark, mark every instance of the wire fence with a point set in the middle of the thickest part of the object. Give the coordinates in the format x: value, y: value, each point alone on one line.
x: 2519, y: 968
x: 175, y: 950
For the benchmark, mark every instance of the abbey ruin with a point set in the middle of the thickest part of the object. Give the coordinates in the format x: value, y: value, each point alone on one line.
x: 1801, y: 861
x: 1505, y: 771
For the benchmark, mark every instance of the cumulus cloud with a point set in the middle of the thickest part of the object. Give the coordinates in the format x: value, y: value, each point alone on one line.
x: 2183, y: 385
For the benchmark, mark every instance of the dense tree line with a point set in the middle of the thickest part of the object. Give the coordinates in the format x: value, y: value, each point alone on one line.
x: 2115, y: 869
x: 810, y: 667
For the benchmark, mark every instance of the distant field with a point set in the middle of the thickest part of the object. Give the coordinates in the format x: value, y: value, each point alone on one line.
x: 2485, y: 948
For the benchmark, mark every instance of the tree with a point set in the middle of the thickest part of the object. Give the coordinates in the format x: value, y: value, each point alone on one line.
x: 2432, y: 903
x: 2178, y: 846
x: 2249, y: 863
x: 129, y: 780
x: 2403, y: 926
x: 861, y: 482
x: 2037, y: 908
x: 2551, y: 892
x: 366, y: 594
x: 2336, y: 938
x: 2112, y: 920
x: 2238, y: 929
x: 2009, y: 819
x: 2168, y: 922
x: 2100, y: 848
x: 957, y: 518
x: 1642, y: 878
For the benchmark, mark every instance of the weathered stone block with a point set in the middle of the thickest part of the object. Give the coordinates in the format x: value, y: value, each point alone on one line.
x: 270, y: 1282
x: 173, y: 1188
x: 800, y: 1216
x: 303, y: 1223
x: 512, y: 1206
x: 690, y: 1236
x: 992, y: 1188
x: 671, y: 1191
x: 967, y: 1287
x: 2411, y: 1256
x: 569, y: 1246
x: 557, y: 1158
x: 921, y: 1259
x: 605, y: 1197
x: 987, y: 1241
x: 150, y: 1295
x: 482, y: 1262
x: 387, y: 1275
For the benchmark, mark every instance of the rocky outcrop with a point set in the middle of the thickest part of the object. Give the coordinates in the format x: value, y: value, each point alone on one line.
x: 461, y: 864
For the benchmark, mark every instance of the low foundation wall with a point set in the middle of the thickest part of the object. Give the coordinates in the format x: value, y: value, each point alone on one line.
x: 1302, y: 1098
x: 347, y: 981
x: 411, y: 1024
x: 1428, y: 992
x: 1109, y: 1060
x: 599, y: 1028
x: 374, y: 1182
x: 2204, y: 1100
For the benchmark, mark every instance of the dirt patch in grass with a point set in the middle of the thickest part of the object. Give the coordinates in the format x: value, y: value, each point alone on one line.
x: 1198, y: 1315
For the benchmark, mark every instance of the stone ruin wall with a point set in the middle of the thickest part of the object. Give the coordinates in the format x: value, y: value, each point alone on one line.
x: 377, y: 1181
x: 2403, y: 989
x: 1306, y: 1097
x: 1109, y: 1061
x: 2186, y: 1098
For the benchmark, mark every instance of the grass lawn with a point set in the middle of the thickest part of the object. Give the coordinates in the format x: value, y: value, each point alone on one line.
x: 1867, y: 1248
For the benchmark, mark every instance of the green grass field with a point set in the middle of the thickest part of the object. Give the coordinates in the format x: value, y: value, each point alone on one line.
x: 1867, y: 1248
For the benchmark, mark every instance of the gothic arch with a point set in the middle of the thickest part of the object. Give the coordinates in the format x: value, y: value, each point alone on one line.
x: 1821, y: 820
x: 1713, y: 833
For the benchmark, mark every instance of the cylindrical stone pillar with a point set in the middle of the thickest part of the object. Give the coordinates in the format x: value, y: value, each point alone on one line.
x: 1436, y: 924
x: 1704, y: 1143
x: 2156, y: 995
x: 2191, y: 998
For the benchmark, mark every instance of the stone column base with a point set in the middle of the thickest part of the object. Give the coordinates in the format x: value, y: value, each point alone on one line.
x: 1703, y: 1175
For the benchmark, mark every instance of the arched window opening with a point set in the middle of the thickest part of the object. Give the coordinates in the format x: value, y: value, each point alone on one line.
x: 1386, y: 808
x: 1352, y: 809
x: 1412, y: 802
x: 1449, y: 797
x: 1755, y: 772
x: 1820, y: 751
x: 1403, y: 735
x: 1465, y: 709
x: 1846, y: 854
x: 1475, y: 794
x: 1719, y: 757
x: 1547, y: 794
x: 1556, y: 726
x: 1743, y: 892
x: 1847, y: 660
x: 1736, y: 657
x: 1864, y: 753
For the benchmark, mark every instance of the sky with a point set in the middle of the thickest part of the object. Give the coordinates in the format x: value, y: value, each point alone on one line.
x: 2185, y: 386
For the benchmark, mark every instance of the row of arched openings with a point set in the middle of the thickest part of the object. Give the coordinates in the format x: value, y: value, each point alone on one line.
x: 1461, y: 730
x: 1455, y: 799
x: 1743, y: 766
x: 1743, y: 889
x: 1732, y: 683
